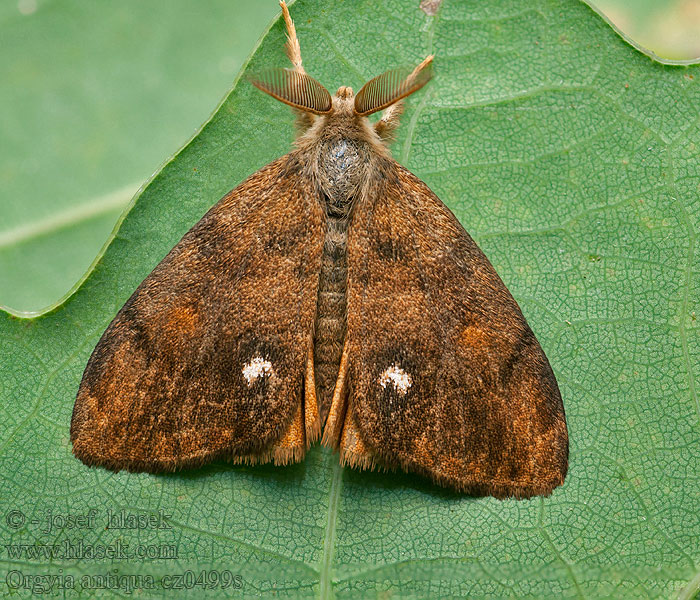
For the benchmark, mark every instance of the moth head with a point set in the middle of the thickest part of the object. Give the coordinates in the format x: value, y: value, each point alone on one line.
x: 311, y: 100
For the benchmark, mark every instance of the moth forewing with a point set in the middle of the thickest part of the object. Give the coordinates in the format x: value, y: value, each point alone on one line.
x: 208, y: 357
x: 449, y: 380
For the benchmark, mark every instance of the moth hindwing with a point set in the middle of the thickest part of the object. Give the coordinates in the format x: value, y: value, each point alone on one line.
x: 331, y: 292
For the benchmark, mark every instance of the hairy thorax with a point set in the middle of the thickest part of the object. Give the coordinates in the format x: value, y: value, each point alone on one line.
x: 342, y: 163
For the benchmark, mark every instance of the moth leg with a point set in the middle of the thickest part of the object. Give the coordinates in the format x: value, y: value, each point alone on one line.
x: 353, y: 451
x: 333, y: 428
x: 386, y: 126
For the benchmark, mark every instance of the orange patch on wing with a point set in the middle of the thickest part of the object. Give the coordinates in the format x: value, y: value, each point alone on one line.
x: 452, y: 467
x: 423, y: 452
x: 183, y: 319
x: 353, y: 450
x: 473, y: 337
x: 292, y: 445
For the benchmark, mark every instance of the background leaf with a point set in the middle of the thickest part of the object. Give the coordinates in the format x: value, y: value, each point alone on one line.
x: 572, y: 159
x: 669, y: 28
x: 94, y: 96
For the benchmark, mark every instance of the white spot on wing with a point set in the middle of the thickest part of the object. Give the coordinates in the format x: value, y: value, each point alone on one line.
x: 397, y: 377
x: 256, y: 368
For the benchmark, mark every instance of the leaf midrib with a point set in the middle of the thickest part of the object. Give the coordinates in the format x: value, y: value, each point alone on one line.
x: 326, y: 566
x: 71, y: 216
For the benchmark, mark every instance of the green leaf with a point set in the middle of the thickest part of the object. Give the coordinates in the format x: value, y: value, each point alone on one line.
x: 572, y: 158
x: 665, y: 26
x: 94, y: 96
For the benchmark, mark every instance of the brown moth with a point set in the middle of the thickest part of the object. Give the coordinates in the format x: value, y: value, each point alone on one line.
x: 332, y: 292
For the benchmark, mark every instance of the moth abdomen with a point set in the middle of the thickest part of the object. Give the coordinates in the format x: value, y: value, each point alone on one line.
x: 329, y: 331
